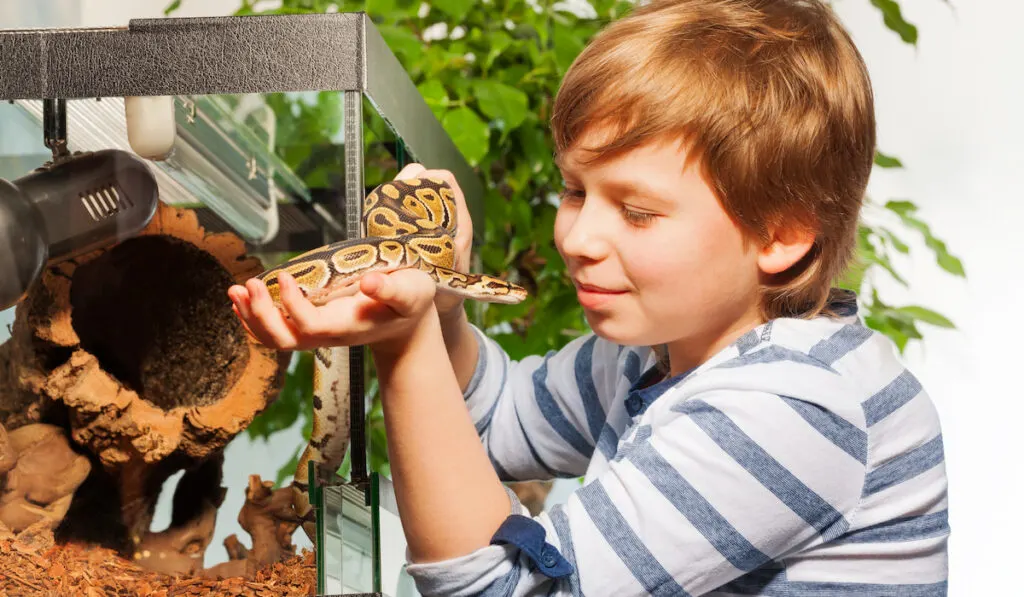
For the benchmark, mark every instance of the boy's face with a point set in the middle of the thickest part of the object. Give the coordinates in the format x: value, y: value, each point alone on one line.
x: 654, y: 256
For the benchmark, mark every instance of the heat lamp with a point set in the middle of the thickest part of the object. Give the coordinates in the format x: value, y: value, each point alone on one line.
x: 74, y: 203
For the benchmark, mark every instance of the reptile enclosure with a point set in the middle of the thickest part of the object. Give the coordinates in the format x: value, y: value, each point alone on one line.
x: 125, y: 365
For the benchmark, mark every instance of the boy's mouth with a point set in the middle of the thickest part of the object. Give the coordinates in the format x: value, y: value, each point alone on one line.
x: 595, y: 297
x: 597, y: 289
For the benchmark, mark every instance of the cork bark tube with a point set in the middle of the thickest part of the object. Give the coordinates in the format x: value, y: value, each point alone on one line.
x: 135, y: 353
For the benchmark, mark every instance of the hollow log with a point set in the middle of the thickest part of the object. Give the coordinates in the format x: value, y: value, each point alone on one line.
x: 135, y: 352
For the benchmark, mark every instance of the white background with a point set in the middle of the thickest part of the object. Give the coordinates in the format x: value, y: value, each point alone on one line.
x: 950, y: 109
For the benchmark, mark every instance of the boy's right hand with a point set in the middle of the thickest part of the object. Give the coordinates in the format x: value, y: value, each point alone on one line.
x: 449, y: 306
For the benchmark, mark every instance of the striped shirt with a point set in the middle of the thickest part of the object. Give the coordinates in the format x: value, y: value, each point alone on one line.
x: 804, y: 459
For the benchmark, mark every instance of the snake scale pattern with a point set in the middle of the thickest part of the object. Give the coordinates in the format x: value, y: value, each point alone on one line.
x: 409, y: 223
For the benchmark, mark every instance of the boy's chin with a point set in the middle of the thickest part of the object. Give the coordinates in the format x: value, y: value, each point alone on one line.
x: 618, y: 331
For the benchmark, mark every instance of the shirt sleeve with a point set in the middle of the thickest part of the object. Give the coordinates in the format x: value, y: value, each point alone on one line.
x: 541, y: 417
x: 717, y: 485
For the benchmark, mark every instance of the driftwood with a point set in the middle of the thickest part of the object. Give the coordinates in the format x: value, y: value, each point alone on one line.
x: 269, y: 519
x: 41, y: 473
x: 134, y: 354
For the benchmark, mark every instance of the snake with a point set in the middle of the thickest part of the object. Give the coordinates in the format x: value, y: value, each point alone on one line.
x: 406, y: 223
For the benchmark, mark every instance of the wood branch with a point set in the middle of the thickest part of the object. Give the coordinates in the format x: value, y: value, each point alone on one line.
x: 38, y: 489
x: 271, y: 521
x: 135, y: 352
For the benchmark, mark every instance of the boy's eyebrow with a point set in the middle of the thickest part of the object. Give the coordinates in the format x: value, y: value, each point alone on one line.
x: 640, y: 188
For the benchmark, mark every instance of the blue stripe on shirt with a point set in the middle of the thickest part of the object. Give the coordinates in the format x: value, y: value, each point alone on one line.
x: 905, y: 466
x: 554, y: 415
x: 583, y: 369
x: 641, y: 435
x: 836, y: 429
x: 632, y: 367
x: 807, y: 504
x: 504, y: 586
x: 630, y: 549
x: 699, y: 511
x: 891, y: 397
x: 840, y: 344
x: 561, y: 523
x: 773, y: 583
x: 533, y: 451
x: 748, y: 341
x: 608, y: 442
x: 483, y: 423
x: 910, y: 528
x: 775, y: 354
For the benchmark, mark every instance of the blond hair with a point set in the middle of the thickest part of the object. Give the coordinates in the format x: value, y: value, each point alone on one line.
x: 773, y: 99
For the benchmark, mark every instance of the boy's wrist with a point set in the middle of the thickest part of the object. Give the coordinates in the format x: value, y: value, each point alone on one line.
x: 393, y: 349
x: 453, y: 322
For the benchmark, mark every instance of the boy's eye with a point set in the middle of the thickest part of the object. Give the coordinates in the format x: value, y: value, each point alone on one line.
x: 636, y: 218
x: 572, y: 194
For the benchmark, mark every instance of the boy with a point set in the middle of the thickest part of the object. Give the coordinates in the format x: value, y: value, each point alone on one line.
x: 715, y: 154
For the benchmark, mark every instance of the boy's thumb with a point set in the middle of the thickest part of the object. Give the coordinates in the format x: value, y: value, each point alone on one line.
x: 406, y: 291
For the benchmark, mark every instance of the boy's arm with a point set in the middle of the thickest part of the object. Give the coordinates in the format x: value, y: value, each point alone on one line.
x: 449, y: 497
x: 461, y: 344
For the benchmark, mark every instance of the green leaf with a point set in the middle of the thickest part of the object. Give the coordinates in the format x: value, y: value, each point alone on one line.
x: 535, y: 147
x: 469, y: 133
x: 380, y: 7
x: 435, y: 95
x: 501, y: 102
x: 288, y: 469
x: 522, y: 216
x: 927, y: 316
x: 905, y: 210
x: 404, y: 43
x: 497, y: 42
x: 456, y: 9
x: 883, y: 325
x: 568, y: 45
x: 893, y: 19
x: 886, y: 161
x: 951, y: 264
x: 901, y: 208
x: 173, y: 6
x: 896, y: 243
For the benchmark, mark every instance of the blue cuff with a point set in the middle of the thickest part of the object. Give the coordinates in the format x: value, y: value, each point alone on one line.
x: 528, y: 535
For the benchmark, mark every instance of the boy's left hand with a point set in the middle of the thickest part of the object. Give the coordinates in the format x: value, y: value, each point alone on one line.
x: 383, y: 313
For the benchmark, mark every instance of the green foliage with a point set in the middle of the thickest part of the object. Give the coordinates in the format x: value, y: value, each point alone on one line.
x: 490, y: 75
x: 893, y: 19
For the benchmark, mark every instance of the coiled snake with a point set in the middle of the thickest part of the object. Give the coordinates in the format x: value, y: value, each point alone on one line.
x: 407, y: 223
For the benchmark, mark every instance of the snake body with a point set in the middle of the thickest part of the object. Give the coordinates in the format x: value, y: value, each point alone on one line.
x: 408, y: 223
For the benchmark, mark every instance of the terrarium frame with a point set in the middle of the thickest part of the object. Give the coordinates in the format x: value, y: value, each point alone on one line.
x: 185, y: 57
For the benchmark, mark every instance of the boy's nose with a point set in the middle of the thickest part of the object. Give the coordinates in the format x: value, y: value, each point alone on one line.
x: 587, y: 238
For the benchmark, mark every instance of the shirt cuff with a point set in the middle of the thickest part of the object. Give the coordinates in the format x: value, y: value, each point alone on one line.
x: 472, y: 573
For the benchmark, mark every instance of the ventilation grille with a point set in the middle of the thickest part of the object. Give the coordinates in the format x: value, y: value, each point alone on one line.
x: 105, y: 202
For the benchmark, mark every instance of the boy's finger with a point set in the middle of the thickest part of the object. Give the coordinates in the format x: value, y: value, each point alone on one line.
x: 266, y: 320
x: 245, y: 325
x: 405, y: 291
x: 303, y: 313
x: 239, y: 295
x: 410, y: 171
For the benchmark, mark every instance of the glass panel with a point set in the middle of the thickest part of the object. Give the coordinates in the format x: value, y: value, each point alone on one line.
x: 276, y: 170
x: 349, y: 553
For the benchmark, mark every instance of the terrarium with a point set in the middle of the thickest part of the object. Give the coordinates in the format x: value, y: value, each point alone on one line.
x: 170, y: 165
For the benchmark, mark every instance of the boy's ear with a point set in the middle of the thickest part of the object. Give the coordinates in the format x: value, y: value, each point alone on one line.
x: 788, y: 245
